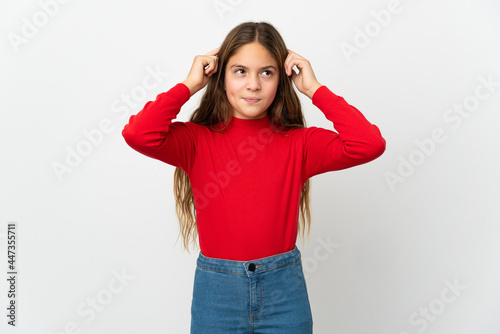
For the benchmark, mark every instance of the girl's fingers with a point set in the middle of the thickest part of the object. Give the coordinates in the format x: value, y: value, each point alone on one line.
x: 204, y: 66
x: 210, y: 65
x: 287, y: 62
x: 291, y: 60
x: 294, y: 62
x: 304, y: 80
x: 293, y: 54
x: 214, y: 52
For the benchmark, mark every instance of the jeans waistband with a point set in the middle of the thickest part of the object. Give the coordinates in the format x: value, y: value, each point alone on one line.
x: 249, y: 267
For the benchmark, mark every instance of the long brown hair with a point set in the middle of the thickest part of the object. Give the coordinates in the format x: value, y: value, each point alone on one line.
x: 284, y: 113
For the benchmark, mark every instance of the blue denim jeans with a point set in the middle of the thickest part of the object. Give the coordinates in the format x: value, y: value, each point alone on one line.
x: 266, y: 295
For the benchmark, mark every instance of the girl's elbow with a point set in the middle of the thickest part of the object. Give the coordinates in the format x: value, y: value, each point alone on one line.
x: 131, y: 137
x: 377, y: 148
x: 126, y: 134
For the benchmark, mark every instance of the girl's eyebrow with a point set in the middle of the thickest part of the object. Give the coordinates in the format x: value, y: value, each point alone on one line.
x: 244, y: 67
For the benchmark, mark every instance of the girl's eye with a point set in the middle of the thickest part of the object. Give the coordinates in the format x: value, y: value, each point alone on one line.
x: 241, y: 71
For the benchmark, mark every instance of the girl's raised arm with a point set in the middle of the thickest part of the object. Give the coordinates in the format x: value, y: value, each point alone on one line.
x: 152, y: 132
x: 203, y: 68
x: 357, y: 141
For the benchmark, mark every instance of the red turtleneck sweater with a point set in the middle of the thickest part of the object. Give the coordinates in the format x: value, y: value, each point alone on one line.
x: 247, y: 180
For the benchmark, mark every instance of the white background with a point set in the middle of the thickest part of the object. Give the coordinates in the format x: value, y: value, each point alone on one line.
x: 396, y: 247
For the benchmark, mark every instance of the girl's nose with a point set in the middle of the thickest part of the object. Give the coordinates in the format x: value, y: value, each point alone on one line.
x: 253, y: 82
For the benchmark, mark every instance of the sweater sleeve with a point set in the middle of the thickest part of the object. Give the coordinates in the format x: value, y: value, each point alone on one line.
x: 356, y: 142
x: 152, y: 132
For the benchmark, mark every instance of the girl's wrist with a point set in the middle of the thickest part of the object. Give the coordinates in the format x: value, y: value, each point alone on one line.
x: 311, y: 91
x: 189, y: 85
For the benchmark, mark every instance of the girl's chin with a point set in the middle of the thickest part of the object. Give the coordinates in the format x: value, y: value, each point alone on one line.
x: 250, y: 115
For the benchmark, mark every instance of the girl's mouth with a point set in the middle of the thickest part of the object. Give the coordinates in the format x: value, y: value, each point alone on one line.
x: 251, y: 99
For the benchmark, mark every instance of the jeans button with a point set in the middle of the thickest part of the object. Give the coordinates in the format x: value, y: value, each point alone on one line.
x: 251, y: 266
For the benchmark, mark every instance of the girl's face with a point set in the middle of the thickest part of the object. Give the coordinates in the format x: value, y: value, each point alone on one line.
x: 251, y: 81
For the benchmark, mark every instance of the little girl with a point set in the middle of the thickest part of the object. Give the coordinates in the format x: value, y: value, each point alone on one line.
x: 243, y: 166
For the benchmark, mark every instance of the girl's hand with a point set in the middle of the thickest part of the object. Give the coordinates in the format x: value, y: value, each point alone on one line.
x: 305, y: 80
x: 203, y: 67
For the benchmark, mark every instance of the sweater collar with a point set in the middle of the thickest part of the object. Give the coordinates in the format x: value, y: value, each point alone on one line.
x: 249, y: 124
